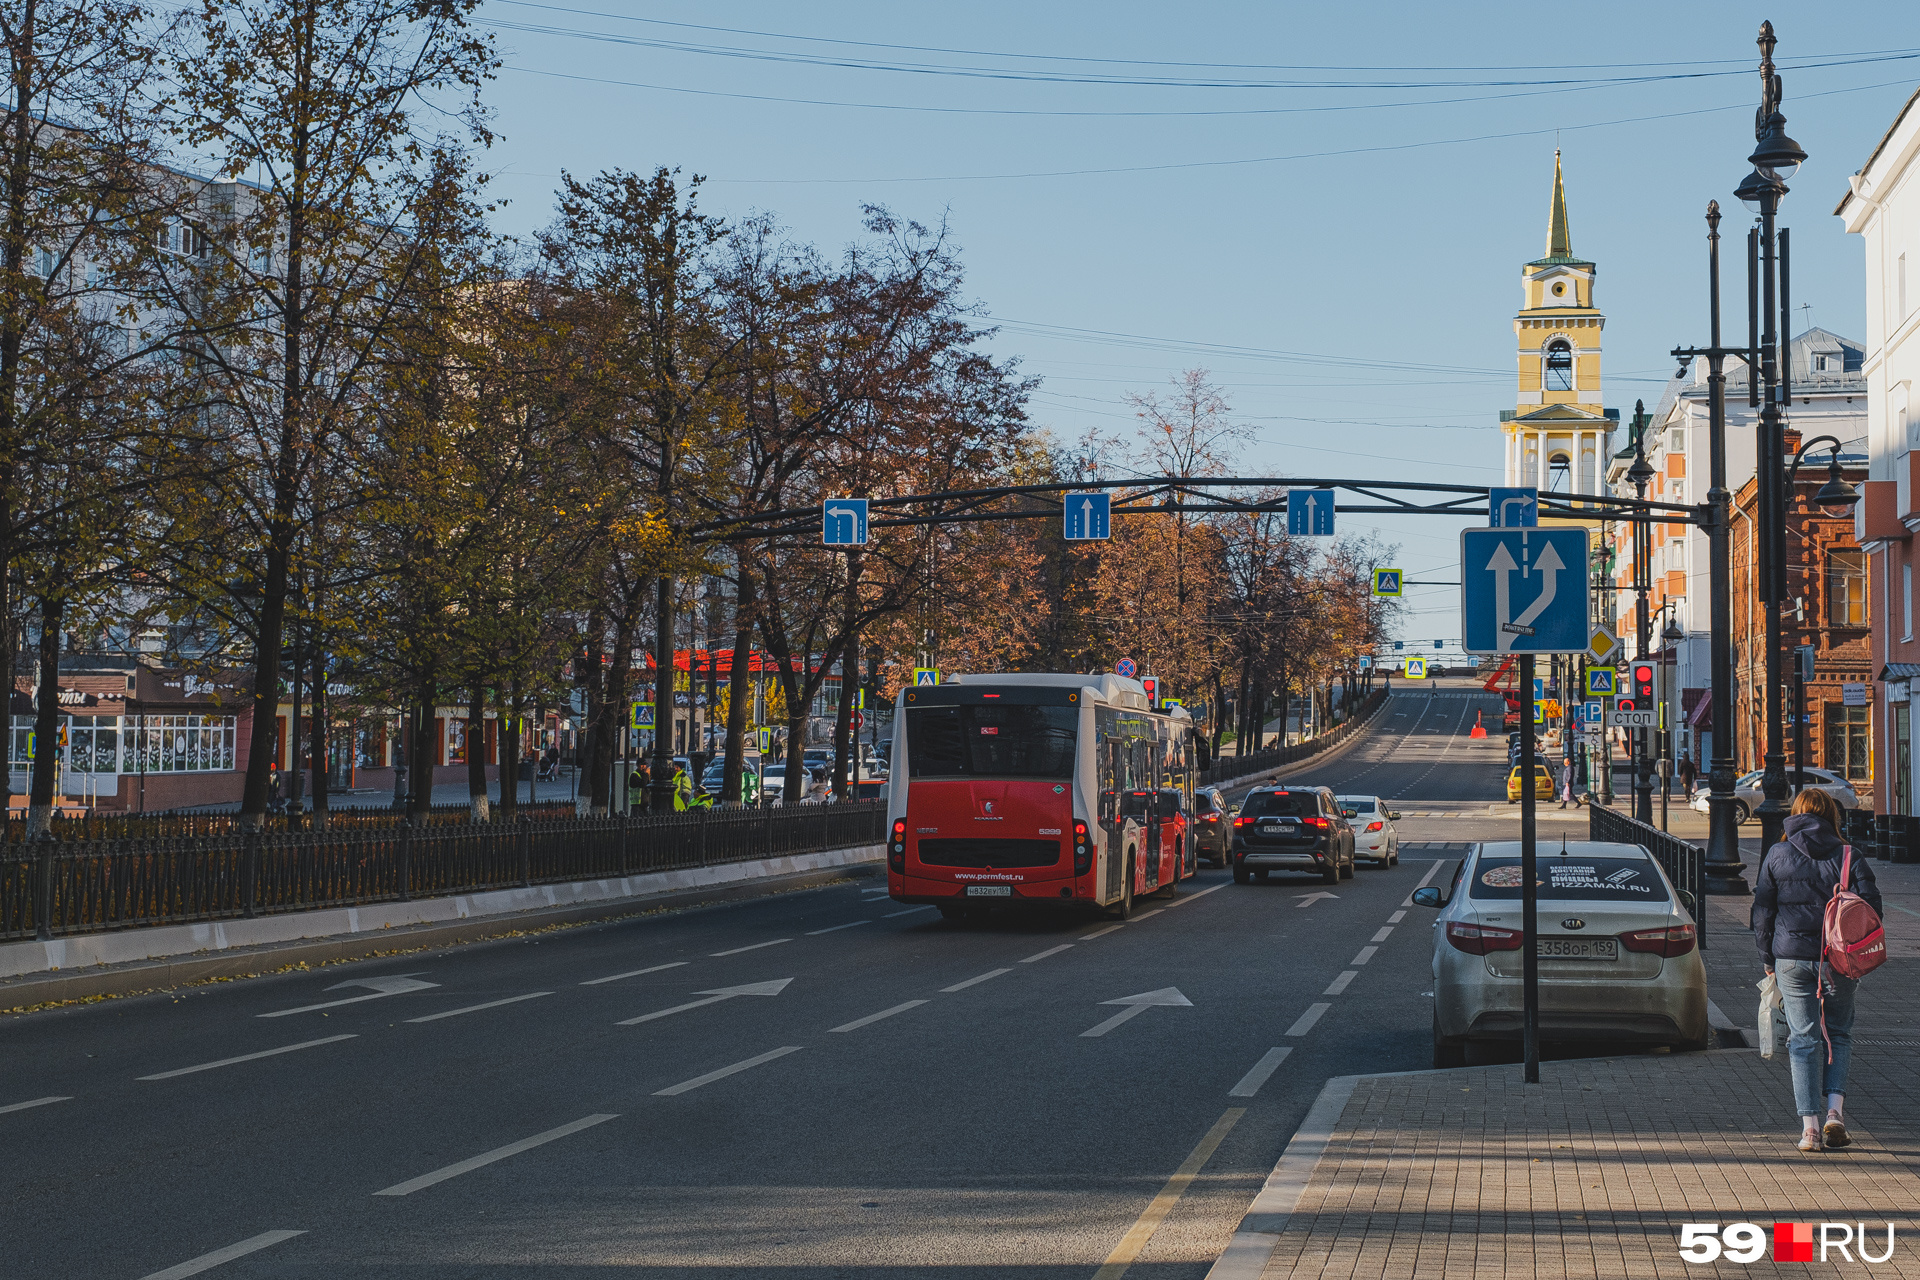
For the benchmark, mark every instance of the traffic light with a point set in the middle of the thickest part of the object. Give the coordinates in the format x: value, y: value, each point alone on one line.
x: 1623, y: 704
x: 1643, y: 681
x: 1152, y: 685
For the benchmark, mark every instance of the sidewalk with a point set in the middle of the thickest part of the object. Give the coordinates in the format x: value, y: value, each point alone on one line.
x: 1592, y: 1172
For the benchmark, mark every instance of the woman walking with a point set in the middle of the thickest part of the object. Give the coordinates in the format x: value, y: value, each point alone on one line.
x: 1797, y: 878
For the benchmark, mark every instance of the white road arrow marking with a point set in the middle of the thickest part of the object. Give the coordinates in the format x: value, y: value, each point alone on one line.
x: 397, y: 985
x: 1500, y: 566
x: 1165, y: 997
x: 1548, y: 565
x: 1308, y: 899
x: 715, y: 996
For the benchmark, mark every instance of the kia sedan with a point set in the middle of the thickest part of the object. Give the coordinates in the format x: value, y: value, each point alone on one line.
x: 1747, y: 793
x: 1618, y: 954
x: 1374, y: 835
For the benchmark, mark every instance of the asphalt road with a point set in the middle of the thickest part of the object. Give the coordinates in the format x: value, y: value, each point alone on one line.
x: 820, y: 1084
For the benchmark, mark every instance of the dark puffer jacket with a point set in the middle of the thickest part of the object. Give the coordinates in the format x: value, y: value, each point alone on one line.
x: 1796, y: 880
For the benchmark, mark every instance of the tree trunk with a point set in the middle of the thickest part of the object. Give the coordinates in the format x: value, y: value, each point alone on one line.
x: 737, y: 685
x: 510, y: 728
x: 590, y: 793
x: 477, y: 752
x: 843, y: 720
x: 320, y: 737
x: 426, y: 749
x: 46, y: 719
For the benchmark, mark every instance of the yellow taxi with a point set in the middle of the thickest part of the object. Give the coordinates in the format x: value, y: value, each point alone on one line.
x: 1542, y: 783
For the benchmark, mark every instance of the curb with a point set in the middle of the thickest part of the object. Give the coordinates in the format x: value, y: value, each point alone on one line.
x: 140, y: 976
x: 1258, y: 1234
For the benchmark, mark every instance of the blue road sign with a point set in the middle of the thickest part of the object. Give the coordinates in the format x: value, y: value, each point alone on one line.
x: 926, y: 675
x: 843, y: 522
x: 1513, y: 508
x: 1592, y: 713
x: 1086, y: 516
x: 1524, y: 590
x: 1387, y: 582
x: 1399, y: 645
x: 1126, y: 667
x: 1310, y: 512
x: 1365, y: 662
x: 1539, y: 688
x: 1600, y: 682
x: 1416, y: 668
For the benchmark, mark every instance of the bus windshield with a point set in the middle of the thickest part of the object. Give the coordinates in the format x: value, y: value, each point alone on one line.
x: 1012, y: 741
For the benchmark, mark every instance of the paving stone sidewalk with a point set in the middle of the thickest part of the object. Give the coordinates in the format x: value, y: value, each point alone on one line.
x: 1592, y: 1172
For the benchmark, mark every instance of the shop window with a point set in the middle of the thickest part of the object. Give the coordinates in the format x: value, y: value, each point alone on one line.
x: 176, y: 744
x: 1849, y: 739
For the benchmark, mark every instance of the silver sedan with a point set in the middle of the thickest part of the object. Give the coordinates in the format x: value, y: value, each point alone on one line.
x: 1619, y: 959
x: 1747, y: 796
x: 1374, y: 835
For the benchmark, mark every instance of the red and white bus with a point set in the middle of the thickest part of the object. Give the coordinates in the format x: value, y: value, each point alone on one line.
x: 1037, y: 789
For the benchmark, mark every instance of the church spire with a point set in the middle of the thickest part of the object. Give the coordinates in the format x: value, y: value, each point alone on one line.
x: 1559, y: 243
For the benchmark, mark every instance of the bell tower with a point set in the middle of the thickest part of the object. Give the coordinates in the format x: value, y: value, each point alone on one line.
x: 1558, y: 437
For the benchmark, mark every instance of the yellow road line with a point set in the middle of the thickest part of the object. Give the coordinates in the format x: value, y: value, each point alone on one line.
x: 1135, y: 1241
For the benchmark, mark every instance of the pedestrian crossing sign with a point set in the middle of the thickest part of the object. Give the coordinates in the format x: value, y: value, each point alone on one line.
x: 1600, y: 681
x: 643, y: 715
x: 926, y: 675
x: 766, y: 740
x: 1416, y: 668
x: 1387, y: 582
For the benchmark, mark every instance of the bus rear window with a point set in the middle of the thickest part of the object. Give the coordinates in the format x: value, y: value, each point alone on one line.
x: 1008, y: 741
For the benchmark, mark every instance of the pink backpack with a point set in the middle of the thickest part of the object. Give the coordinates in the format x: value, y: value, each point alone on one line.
x: 1854, y: 943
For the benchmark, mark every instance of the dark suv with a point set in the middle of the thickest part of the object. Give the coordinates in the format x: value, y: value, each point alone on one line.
x: 1291, y: 829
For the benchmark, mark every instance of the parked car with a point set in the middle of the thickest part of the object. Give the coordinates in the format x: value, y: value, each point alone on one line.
x: 1373, y: 831
x: 1291, y: 829
x: 1619, y: 960
x: 1212, y: 826
x: 1746, y: 790
x: 1542, y: 783
x: 818, y: 762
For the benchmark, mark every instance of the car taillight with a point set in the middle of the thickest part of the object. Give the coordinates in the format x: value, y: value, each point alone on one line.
x: 897, y: 847
x: 1676, y: 941
x: 1243, y: 822
x: 1315, y: 822
x: 1376, y: 826
x: 1479, y: 939
x: 1082, y: 849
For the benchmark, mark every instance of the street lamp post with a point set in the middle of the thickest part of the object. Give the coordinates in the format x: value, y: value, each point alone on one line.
x: 1640, y: 474
x: 1775, y: 158
x: 1837, y: 498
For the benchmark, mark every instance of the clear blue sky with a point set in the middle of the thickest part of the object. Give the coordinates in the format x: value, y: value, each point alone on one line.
x: 1351, y: 192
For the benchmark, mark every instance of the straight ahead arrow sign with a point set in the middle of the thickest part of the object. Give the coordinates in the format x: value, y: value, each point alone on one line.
x: 1165, y: 997
x: 1308, y: 899
x: 715, y: 996
x: 399, y: 984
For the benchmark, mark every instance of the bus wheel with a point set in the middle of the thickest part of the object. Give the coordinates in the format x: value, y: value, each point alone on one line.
x: 1124, y: 911
x: 953, y: 913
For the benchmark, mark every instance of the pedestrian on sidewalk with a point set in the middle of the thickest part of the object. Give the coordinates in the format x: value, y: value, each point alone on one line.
x: 1797, y: 878
x: 1688, y: 772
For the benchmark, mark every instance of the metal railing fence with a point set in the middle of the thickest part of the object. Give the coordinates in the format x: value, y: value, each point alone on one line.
x: 1230, y: 767
x: 97, y: 825
x: 1684, y: 863
x: 53, y: 888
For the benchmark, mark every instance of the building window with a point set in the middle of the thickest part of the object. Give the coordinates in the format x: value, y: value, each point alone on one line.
x: 1847, y: 585
x: 1559, y: 366
x: 1906, y: 602
x: 177, y: 744
x: 1848, y: 738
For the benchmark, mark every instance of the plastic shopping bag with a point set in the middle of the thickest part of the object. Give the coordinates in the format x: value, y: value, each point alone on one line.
x: 1770, y: 1001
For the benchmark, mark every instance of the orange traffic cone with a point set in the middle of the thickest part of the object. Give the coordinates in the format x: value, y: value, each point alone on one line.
x: 1479, y: 730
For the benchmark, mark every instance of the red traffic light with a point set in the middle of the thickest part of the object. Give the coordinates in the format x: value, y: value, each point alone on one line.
x: 1152, y: 685
x: 1643, y: 680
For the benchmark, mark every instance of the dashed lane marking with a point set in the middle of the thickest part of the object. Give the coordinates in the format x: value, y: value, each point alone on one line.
x: 1178, y: 902
x: 248, y: 1057
x: 851, y: 924
x: 1386, y: 931
x: 1269, y: 1063
x: 208, y: 1261
x: 1396, y: 917
x: 1050, y: 951
x: 871, y: 1018
x: 1100, y: 933
x: 755, y: 947
x: 37, y: 1102
x: 475, y: 1008
x: 633, y: 973
x: 1304, y: 1023
x: 1148, y: 915
x: 686, y: 1085
x: 1366, y: 954
x: 480, y: 1161
x: 962, y: 986
x: 909, y: 911
x: 1339, y: 984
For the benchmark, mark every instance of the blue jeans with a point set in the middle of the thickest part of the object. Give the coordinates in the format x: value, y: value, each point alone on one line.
x: 1813, y: 1076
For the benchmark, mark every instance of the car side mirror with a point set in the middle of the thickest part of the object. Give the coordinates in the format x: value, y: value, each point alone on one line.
x: 1686, y: 900
x: 1394, y: 816
x: 1428, y: 897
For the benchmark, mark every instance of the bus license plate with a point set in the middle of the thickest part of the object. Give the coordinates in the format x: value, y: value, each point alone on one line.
x: 1579, y: 948
x: 989, y: 891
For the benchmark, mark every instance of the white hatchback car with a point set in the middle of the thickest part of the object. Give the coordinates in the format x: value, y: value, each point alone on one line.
x: 1746, y: 790
x: 1618, y: 954
x: 1374, y: 835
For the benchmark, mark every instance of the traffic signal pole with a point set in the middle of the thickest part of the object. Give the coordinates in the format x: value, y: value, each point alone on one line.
x: 1529, y: 895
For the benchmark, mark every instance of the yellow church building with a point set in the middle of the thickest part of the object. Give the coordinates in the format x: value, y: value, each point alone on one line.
x: 1558, y: 437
